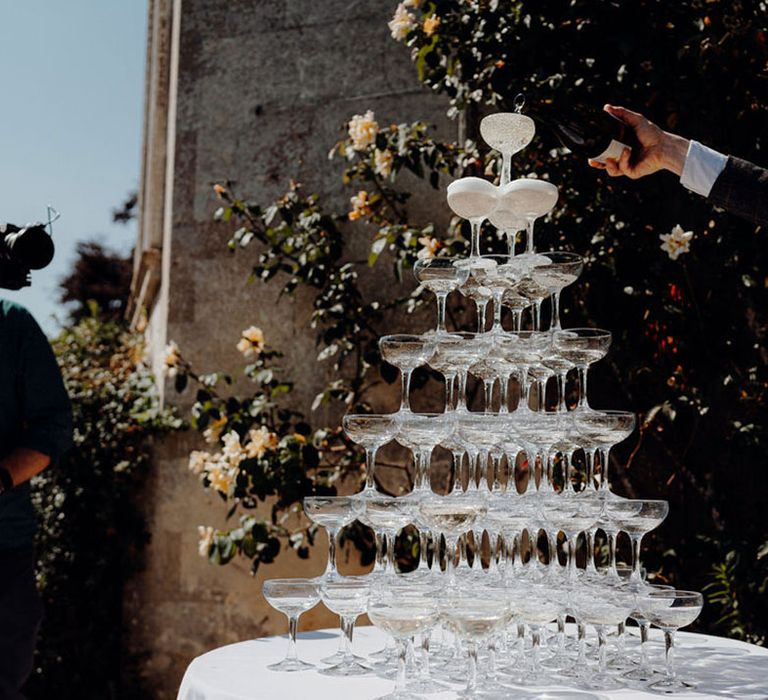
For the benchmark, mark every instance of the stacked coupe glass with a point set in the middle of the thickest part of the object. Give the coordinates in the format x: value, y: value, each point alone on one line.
x: 509, y: 553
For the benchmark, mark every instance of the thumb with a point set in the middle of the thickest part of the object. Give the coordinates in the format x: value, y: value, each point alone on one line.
x: 626, y: 115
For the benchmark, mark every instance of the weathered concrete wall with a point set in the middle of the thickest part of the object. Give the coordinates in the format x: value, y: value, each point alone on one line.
x: 261, y: 90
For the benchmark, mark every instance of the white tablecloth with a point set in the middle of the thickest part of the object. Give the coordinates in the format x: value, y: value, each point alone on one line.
x: 722, y: 668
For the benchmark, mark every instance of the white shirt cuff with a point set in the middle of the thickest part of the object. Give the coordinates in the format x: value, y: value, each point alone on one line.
x: 702, y: 167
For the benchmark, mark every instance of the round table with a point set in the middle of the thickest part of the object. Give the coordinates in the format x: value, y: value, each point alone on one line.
x: 721, y: 667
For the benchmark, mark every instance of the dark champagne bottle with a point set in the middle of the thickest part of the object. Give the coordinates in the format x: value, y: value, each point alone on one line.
x: 587, y: 131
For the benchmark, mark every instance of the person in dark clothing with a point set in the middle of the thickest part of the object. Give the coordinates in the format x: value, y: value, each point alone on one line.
x: 35, y: 429
x: 733, y: 184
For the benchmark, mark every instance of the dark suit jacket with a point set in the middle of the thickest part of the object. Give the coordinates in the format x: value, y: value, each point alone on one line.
x: 742, y: 189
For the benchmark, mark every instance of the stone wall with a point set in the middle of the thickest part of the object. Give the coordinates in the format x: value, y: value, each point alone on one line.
x: 254, y: 91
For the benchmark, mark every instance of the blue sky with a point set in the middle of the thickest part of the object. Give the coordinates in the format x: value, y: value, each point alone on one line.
x: 72, y: 87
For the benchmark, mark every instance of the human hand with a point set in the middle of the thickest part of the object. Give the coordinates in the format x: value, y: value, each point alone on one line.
x: 659, y: 150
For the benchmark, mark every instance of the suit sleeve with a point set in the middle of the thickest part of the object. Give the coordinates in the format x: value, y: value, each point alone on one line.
x: 46, y: 409
x: 742, y: 189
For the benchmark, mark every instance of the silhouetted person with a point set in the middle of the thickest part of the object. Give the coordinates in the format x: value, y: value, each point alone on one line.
x: 35, y: 428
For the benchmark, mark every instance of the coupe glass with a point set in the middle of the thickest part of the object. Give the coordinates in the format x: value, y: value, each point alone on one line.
x: 533, y: 199
x: 348, y: 598
x: 602, y: 608
x: 533, y: 292
x: 453, y: 356
x: 472, y: 198
x: 388, y: 515
x: 473, y: 618
x: 582, y: 347
x: 452, y: 515
x: 616, y: 510
x: 670, y: 610
x: 441, y: 276
x: 644, y: 673
x: 480, y: 294
x: 499, y: 273
x: 508, y: 133
x: 332, y: 513
x: 570, y: 513
x: 562, y: 270
x: 537, y: 606
x: 372, y: 431
x: 292, y: 597
x: 508, y: 222
x: 526, y: 350
x: 540, y: 431
x: 403, y: 611
x: 420, y: 433
x: 640, y: 518
x: 603, y: 430
x: 406, y: 352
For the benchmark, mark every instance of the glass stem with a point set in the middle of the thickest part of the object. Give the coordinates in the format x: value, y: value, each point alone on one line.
x: 581, y: 659
x: 423, y: 549
x: 488, y: 385
x: 504, y: 393
x: 529, y: 235
x: 380, y: 558
x: 536, y: 650
x: 405, y: 403
x: 583, y: 404
x: 481, y: 307
x: 449, y: 385
x: 391, y: 536
x: 511, y: 240
x: 475, y: 225
x: 636, y: 542
x: 472, y: 668
x: 537, y: 315
x: 506, y: 171
x: 402, y: 651
x: 450, y: 553
x: 567, y: 484
x: 589, y: 454
x: 490, y: 674
x: 461, y: 403
x: 561, y: 403
x: 644, y: 625
x: 604, y: 456
x: 458, y: 460
x: 572, y: 558
x: 331, y: 568
x: 669, y: 648
x: 601, y: 650
x: 590, y: 536
x: 497, y: 295
x: 347, y: 629
x: 293, y: 628
x: 441, y: 299
x: 370, y: 465
x: 555, y: 322
x: 612, y: 554
x: 425, y: 674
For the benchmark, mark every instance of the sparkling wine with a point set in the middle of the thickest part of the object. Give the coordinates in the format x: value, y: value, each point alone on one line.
x: 474, y: 624
x: 672, y: 618
x: 402, y: 620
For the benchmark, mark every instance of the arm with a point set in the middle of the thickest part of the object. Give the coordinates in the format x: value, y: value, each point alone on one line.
x: 20, y: 466
x: 45, y: 409
x: 736, y: 185
x: 659, y: 149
